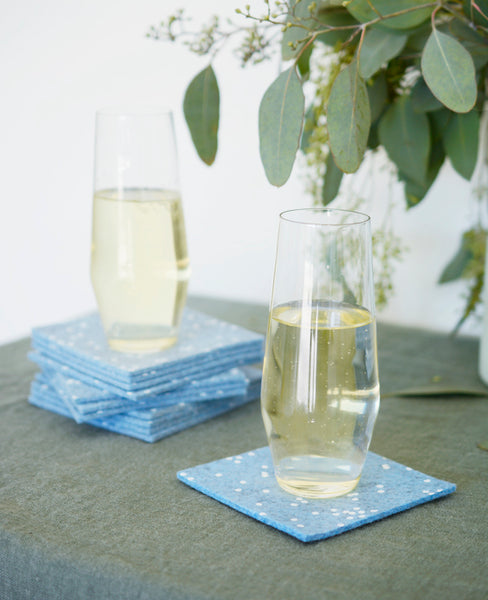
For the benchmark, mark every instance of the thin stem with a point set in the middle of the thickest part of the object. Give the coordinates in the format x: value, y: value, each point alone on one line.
x: 360, y: 44
x: 433, y: 15
x: 478, y: 9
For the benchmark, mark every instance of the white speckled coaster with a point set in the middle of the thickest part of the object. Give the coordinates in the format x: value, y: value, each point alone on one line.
x: 153, y: 424
x: 246, y: 483
x: 206, y: 346
x: 87, y: 402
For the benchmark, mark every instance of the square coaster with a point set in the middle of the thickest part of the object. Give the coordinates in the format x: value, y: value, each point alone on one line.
x: 153, y: 424
x: 87, y: 402
x: 157, y: 381
x: 246, y: 483
x: 206, y: 346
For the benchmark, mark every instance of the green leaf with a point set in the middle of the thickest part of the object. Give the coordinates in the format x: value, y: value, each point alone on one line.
x: 455, y: 268
x: 373, y: 138
x: 448, y: 70
x: 280, y: 125
x: 332, y: 181
x: 303, y: 62
x: 416, y: 192
x: 474, y: 43
x: 368, y: 10
x: 417, y: 38
x: 461, y: 140
x: 201, y: 109
x: 439, y: 120
x: 483, y: 445
x: 378, y: 95
x: 378, y: 48
x: 301, y: 16
x: 422, y: 98
x: 348, y: 119
x: 337, y: 17
x: 405, y: 135
x: 308, y: 128
x: 477, y: 17
x: 436, y: 160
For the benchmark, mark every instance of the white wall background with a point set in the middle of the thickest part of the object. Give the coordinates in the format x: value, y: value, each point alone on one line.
x: 60, y: 60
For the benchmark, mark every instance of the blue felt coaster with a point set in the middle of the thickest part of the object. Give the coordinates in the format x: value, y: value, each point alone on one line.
x: 151, y: 425
x: 206, y: 346
x: 205, y: 366
x: 246, y: 483
x: 87, y: 402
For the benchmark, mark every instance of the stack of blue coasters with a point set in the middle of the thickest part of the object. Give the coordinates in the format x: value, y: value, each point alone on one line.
x: 147, y: 396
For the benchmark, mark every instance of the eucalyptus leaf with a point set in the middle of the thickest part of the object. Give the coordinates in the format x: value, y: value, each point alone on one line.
x: 280, y: 125
x: 405, y: 135
x: 377, y: 49
x: 455, y: 268
x: 332, y: 181
x: 417, y: 38
x: 373, y: 138
x: 378, y: 95
x: 331, y: 3
x: 303, y: 62
x: 474, y: 43
x: 423, y: 99
x: 439, y: 120
x: 368, y: 10
x: 436, y: 159
x: 308, y: 128
x: 348, y: 119
x: 448, y: 70
x: 201, y: 109
x: 337, y: 17
x: 414, y: 192
x: 461, y: 141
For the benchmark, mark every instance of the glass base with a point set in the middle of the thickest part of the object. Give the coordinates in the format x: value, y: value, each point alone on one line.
x: 315, y: 476
x: 141, y: 337
x: 324, y: 489
x: 138, y: 346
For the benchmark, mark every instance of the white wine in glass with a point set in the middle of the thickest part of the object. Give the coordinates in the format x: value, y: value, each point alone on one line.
x: 320, y: 390
x: 139, y: 259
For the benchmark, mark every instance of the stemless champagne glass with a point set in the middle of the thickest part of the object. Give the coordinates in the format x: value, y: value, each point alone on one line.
x: 139, y: 259
x: 320, y: 391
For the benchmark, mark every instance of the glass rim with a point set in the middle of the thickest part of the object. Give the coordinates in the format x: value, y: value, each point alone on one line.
x: 134, y: 110
x: 292, y: 216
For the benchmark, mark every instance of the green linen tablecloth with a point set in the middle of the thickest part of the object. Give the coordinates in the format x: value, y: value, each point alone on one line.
x: 89, y: 514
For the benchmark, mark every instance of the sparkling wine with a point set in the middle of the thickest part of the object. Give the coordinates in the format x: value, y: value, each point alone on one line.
x: 320, y: 395
x: 139, y: 266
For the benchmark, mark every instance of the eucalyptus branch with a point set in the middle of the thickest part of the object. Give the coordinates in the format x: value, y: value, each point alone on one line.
x: 402, y: 12
x: 361, y: 40
x: 353, y: 35
x: 270, y: 18
x: 357, y: 28
x: 417, y: 94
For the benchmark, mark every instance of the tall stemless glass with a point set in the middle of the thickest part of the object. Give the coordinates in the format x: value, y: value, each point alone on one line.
x: 320, y: 391
x: 139, y: 259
